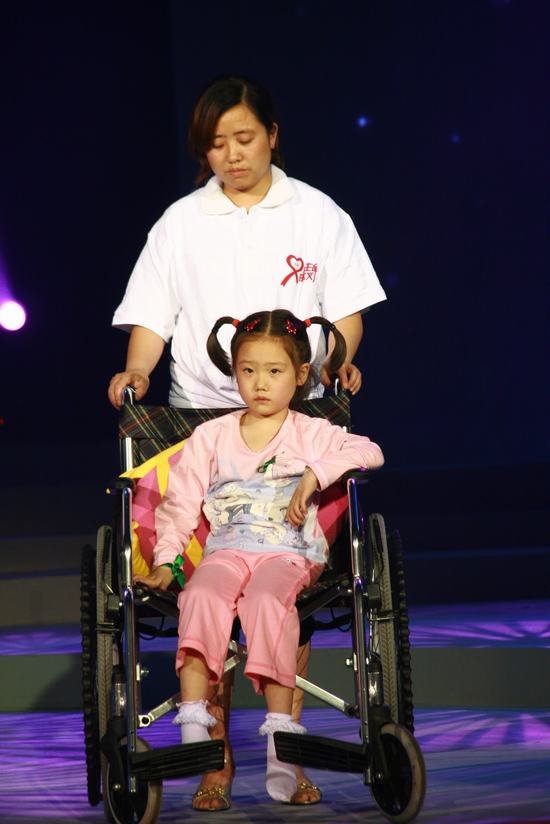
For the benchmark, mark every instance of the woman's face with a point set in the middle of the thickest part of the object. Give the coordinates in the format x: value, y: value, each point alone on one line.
x: 241, y: 152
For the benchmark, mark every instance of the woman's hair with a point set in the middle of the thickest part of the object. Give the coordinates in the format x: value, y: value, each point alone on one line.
x: 292, y: 333
x: 222, y: 94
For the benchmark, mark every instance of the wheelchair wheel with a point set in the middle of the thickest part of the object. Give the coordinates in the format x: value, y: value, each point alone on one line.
x: 105, y: 640
x: 397, y: 573
x: 147, y: 801
x: 399, y: 785
x: 97, y: 656
x: 88, y: 666
x: 383, y: 640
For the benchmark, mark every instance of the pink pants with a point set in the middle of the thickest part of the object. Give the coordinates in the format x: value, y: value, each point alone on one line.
x: 260, y: 588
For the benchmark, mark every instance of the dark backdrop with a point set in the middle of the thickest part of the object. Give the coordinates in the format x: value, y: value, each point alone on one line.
x: 446, y: 184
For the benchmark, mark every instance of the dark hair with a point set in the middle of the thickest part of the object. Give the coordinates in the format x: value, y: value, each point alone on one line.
x: 220, y: 95
x: 279, y: 323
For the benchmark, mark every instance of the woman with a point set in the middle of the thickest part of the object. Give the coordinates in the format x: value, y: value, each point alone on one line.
x: 248, y: 238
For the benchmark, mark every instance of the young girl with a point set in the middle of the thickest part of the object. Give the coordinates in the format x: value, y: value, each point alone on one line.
x: 256, y: 473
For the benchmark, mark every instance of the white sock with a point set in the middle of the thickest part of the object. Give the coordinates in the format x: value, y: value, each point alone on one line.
x: 280, y: 778
x: 194, y: 719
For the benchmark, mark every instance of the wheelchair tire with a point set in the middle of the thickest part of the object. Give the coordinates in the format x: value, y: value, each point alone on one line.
x: 105, y: 646
x: 383, y: 636
x: 105, y: 640
x: 397, y: 573
x: 400, y: 792
x: 88, y: 668
x: 97, y: 657
x: 147, y: 801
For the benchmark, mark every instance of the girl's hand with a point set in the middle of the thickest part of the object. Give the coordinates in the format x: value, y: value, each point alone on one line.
x: 136, y: 378
x: 299, y: 503
x: 159, y: 578
x: 349, y: 376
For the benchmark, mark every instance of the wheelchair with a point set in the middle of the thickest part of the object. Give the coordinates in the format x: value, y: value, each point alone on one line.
x: 123, y: 770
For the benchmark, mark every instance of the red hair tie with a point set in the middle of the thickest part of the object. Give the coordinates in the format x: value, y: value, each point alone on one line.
x: 307, y: 322
x: 290, y: 328
x: 235, y: 322
x: 252, y: 325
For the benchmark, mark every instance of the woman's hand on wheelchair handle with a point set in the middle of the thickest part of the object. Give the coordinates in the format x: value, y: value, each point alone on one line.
x: 136, y: 378
x: 349, y: 376
x: 299, y: 503
x: 159, y: 578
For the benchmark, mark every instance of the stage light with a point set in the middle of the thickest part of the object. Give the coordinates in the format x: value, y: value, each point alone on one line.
x: 363, y: 121
x: 12, y: 315
x: 455, y: 138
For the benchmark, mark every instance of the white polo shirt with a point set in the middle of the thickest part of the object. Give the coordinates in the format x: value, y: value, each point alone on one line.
x: 207, y: 257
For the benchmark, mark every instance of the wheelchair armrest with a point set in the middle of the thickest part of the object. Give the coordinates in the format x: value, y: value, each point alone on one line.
x: 359, y: 475
x: 165, y: 602
x: 120, y: 484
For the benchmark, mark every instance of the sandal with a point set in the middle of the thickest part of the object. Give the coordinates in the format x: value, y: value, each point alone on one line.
x: 223, y: 794
x: 300, y: 787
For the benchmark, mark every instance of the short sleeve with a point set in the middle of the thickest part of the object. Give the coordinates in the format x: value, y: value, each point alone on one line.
x: 350, y: 284
x: 151, y: 298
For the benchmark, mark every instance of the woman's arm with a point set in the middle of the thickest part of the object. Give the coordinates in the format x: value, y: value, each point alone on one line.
x: 349, y: 375
x: 351, y: 328
x: 144, y: 352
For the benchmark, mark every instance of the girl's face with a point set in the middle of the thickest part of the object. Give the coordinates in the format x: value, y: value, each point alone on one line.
x: 266, y: 376
x: 241, y: 152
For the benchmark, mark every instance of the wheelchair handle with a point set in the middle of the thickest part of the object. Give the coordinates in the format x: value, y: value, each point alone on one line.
x: 126, y: 456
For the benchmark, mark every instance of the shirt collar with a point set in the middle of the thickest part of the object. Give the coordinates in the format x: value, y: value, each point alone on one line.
x: 215, y: 202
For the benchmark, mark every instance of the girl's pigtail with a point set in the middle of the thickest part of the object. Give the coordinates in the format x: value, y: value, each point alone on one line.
x: 339, y: 353
x: 216, y: 354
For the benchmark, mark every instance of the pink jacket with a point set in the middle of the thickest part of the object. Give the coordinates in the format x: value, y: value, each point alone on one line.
x: 245, y: 494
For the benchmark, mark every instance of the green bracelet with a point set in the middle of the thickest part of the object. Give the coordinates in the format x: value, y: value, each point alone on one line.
x: 177, y: 570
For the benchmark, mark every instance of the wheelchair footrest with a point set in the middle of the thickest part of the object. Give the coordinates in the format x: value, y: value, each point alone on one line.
x: 322, y: 753
x: 178, y: 761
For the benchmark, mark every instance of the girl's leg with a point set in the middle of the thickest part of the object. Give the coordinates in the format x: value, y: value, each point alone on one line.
x: 267, y: 609
x: 193, y: 715
x: 194, y: 678
x: 280, y: 779
x: 287, y: 782
x: 270, y: 622
x: 200, y: 619
x: 277, y: 698
x: 219, y: 705
x: 214, y: 790
x: 306, y: 792
x: 207, y: 609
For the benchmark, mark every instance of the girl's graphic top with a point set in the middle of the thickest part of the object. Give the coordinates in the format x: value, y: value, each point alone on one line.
x: 251, y: 514
x: 245, y: 494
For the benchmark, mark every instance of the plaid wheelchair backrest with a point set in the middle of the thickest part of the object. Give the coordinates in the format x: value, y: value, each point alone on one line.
x: 158, y: 435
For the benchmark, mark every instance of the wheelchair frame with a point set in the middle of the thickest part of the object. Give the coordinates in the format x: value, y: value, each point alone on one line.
x: 122, y: 768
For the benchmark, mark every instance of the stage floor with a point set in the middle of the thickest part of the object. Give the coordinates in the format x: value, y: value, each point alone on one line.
x: 477, y: 625
x: 483, y: 767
